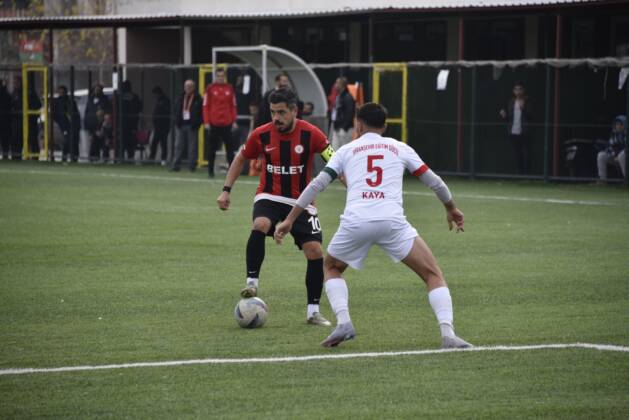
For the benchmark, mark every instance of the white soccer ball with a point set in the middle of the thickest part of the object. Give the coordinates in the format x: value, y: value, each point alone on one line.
x: 251, y: 312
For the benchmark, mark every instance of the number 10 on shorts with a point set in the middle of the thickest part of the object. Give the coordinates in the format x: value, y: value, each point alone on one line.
x: 316, y: 225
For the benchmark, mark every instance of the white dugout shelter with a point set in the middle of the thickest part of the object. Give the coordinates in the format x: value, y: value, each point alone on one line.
x: 267, y: 61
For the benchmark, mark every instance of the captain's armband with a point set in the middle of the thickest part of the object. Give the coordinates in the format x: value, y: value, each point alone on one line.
x: 327, y: 153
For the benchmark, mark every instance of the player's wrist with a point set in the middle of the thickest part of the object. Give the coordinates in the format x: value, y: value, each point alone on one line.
x: 227, y: 189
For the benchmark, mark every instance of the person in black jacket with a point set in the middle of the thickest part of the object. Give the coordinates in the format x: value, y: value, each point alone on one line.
x: 342, y: 115
x: 66, y: 114
x: 281, y: 82
x: 131, y: 107
x: 5, y: 121
x: 518, y: 117
x: 161, y: 124
x: 96, y: 101
x: 188, y: 119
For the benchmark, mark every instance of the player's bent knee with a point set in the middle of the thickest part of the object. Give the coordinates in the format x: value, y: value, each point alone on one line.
x: 333, y: 267
x: 262, y: 224
x: 312, y: 250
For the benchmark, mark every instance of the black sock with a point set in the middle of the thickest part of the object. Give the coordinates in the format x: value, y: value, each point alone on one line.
x: 255, y: 253
x: 314, y: 280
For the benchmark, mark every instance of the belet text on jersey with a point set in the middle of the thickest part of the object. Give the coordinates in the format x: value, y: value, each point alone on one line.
x: 284, y: 170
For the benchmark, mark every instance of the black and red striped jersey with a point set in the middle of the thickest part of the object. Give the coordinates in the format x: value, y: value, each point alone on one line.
x: 288, y: 157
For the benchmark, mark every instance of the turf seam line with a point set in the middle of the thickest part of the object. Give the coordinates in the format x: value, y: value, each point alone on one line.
x: 410, y: 193
x: 287, y: 359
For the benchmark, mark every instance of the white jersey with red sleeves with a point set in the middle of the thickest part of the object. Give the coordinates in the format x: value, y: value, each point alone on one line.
x: 374, y: 167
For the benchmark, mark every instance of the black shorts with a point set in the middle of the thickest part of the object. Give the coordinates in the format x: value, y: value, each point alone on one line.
x: 306, y: 228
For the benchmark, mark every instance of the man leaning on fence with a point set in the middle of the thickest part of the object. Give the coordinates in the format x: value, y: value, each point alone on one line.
x: 161, y: 124
x: 342, y: 115
x: 130, y: 109
x: 188, y: 120
x: 66, y: 114
x: 96, y: 101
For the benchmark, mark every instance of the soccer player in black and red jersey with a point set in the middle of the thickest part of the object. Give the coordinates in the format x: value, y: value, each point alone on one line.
x: 288, y: 146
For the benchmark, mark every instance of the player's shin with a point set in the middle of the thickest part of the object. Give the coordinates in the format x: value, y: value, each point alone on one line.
x: 314, y: 285
x: 441, y: 303
x: 255, y: 256
x: 338, y: 296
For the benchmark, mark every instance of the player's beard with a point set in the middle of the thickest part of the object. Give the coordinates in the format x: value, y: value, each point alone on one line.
x: 284, y: 128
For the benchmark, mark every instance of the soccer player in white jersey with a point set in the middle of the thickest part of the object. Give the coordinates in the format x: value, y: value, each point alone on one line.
x: 373, y: 167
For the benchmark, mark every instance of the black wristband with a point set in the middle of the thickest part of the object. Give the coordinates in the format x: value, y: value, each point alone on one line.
x: 228, y: 189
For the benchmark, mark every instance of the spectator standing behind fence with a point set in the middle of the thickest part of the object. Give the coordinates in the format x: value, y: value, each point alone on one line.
x: 242, y: 106
x: 5, y: 121
x: 96, y: 101
x: 66, y: 114
x: 161, y: 124
x: 615, y: 152
x: 219, y: 116
x: 281, y: 82
x: 16, y: 120
x: 130, y: 109
x: 255, y: 165
x: 308, y: 110
x: 188, y: 119
x: 100, y: 141
x: 106, y: 133
x: 342, y: 116
x: 518, y: 116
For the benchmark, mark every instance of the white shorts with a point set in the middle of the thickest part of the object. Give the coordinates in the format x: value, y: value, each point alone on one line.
x: 352, y: 241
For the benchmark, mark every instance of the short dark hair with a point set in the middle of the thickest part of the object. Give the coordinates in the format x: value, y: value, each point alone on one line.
x: 283, y: 95
x: 220, y: 70
x: 280, y: 74
x: 372, y: 114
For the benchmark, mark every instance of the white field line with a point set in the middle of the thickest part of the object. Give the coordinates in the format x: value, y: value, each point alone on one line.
x: 600, y: 347
x: 413, y: 193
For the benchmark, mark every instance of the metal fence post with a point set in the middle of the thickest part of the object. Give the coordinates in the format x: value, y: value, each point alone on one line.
x: 473, y: 126
x: 72, y: 122
x: 173, y: 102
x: 121, y: 141
x: 626, y: 133
x: 546, y: 122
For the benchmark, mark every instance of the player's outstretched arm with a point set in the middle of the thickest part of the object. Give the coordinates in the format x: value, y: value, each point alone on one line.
x: 235, y: 169
x: 306, y: 197
x: 285, y: 226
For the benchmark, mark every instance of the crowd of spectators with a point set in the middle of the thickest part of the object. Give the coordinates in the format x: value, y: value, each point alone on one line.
x: 114, y: 126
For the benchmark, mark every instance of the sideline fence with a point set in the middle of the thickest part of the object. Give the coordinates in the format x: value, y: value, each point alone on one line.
x: 456, y: 128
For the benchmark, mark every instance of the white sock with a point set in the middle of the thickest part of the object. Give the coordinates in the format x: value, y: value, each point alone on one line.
x: 441, y: 303
x: 337, y: 292
x: 312, y: 308
x: 252, y: 282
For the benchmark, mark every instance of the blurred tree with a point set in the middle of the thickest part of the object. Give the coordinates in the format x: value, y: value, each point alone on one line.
x: 72, y: 46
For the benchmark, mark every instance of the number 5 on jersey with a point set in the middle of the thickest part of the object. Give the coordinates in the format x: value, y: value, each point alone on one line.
x: 373, y: 168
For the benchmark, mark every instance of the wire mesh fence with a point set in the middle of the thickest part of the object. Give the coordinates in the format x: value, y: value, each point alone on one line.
x: 463, y: 125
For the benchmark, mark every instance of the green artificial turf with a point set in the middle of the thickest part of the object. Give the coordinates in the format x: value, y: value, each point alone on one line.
x: 109, y: 264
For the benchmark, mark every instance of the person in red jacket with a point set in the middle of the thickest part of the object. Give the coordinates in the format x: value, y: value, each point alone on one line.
x: 219, y: 116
